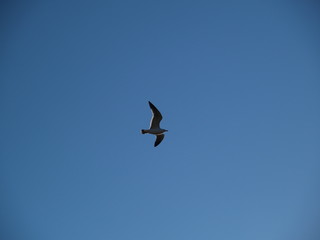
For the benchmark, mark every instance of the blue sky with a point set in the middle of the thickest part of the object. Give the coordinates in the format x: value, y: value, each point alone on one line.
x: 237, y: 84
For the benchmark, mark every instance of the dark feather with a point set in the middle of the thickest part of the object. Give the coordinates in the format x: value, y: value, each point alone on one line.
x: 159, y: 139
x: 156, y: 117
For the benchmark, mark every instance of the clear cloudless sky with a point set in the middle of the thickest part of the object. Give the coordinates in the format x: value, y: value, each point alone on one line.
x: 237, y: 83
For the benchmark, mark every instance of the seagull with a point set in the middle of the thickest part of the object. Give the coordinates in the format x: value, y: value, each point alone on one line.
x: 155, y: 125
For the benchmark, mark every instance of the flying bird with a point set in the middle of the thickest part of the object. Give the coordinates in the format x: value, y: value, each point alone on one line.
x: 155, y: 125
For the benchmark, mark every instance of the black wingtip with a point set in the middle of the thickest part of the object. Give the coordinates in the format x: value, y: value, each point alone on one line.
x: 151, y: 105
x: 159, y: 139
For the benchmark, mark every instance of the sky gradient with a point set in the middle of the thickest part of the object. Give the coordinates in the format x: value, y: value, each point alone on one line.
x: 237, y: 84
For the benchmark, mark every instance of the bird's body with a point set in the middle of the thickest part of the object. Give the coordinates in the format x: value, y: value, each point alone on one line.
x: 153, y: 131
x: 155, y: 125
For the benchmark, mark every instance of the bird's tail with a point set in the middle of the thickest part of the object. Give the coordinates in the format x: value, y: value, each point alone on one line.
x: 143, y: 131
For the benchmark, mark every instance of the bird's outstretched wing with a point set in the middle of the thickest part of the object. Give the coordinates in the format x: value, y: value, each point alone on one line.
x: 156, y: 117
x: 159, y: 139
